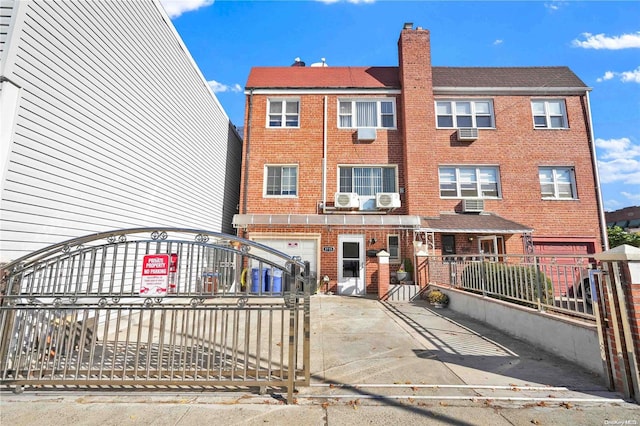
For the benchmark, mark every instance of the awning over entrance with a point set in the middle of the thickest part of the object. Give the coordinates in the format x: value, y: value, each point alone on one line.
x: 483, y: 223
x: 404, y: 221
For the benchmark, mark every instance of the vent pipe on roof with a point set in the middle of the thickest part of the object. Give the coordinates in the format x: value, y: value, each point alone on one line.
x: 320, y: 64
x: 298, y: 63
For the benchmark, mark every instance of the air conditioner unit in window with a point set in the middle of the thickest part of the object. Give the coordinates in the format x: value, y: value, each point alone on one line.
x: 467, y: 134
x: 472, y: 206
x: 367, y: 134
x: 387, y: 200
x: 347, y: 200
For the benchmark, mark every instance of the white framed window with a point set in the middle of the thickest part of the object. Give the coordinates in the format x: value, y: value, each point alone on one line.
x: 379, y: 113
x: 283, y: 113
x: 469, y: 182
x: 281, y: 181
x: 367, y: 181
x: 393, y: 248
x: 464, y: 113
x: 549, y: 114
x: 557, y: 183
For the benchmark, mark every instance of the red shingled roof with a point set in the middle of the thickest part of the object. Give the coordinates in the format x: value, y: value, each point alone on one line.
x: 325, y: 77
x: 388, y: 77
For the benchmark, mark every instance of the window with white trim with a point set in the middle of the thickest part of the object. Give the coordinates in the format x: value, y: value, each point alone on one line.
x: 367, y: 181
x: 281, y: 181
x: 469, y: 182
x: 379, y: 113
x: 557, y: 183
x: 284, y: 113
x: 464, y: 113
x: 393, y: 248
x: 549, y: 114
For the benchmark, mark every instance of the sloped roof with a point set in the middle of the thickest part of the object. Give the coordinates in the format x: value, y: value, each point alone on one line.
x: 505, y: 77
x: 389, y: 77
x: 325, y: 77
x: 484, y: 223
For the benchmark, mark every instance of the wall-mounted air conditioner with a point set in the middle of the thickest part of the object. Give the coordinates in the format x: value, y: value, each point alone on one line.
x: 387, y: 200
x: 467, y: 134
x: 472, y: 206
x: 367, y: 134
x: 347, y: 200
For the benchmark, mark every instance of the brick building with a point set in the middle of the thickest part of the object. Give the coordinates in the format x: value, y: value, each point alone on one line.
x: 627, y: 218
x: 341, y: 162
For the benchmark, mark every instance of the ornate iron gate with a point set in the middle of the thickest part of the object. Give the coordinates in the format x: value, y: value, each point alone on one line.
x: 156, y: 307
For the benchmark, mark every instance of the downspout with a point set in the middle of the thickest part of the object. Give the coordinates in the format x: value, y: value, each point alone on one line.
x: 324, y: 159
x: 246, y: 159
x: 594, y: 161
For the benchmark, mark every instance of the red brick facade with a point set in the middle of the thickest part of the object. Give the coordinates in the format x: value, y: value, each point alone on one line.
x: 417, y: 148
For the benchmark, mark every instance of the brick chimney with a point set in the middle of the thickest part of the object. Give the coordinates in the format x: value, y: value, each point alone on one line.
x: 417, y: 115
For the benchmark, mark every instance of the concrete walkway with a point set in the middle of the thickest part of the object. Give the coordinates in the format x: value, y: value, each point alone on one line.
x: 371, y: 363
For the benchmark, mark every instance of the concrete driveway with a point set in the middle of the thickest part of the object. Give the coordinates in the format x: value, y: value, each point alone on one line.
x: 372, y: 363
x: 378, y: 350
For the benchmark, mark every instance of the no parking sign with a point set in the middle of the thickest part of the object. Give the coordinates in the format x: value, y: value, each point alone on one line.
x: 155, y: 275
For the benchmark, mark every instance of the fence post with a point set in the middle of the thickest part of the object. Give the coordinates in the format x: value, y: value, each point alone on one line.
x: 483, y: 282
x: 539, y: 278
x: 622, y: 328
x: 383, y: 275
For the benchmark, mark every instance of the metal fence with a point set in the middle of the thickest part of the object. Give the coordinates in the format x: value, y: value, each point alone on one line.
x: 164, y: 307
x: 559, y: 283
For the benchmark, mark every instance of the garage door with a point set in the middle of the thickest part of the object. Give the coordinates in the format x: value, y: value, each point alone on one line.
x: 307, y: 249
x: 570, y: 248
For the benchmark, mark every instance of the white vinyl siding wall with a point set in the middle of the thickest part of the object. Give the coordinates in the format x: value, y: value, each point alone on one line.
x: 116, y: 128
x: 6, y: 9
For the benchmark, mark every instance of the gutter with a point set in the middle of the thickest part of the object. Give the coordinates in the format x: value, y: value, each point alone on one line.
x: 246, y: 156
x: 444, y: 90
x: 596, y: 178
x: 324, y: 159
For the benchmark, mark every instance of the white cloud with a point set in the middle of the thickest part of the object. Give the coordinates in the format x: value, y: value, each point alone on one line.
x: 175, y: 8
x: 611, y: 205
x: 619, y: 161
x: 497, y: 42
x: 623, y: 171
x: 631, y: 76
x: 625, y: 76
x: 601, y: 41
x: 554, y: 5
x: 608, y: 75
x: 630, y: 196
x: 219, y: 87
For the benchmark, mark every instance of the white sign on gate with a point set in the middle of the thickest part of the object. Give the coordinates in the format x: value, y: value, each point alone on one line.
x: 155, y: 275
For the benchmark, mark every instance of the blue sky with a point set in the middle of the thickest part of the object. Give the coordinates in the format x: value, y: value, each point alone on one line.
x: 598, y: 40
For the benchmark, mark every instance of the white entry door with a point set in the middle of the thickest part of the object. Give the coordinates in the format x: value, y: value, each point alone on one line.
x: 351, y: 262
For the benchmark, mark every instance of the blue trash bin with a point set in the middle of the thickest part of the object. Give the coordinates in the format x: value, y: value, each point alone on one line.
x: 275, y: 280
x: 256, y: 275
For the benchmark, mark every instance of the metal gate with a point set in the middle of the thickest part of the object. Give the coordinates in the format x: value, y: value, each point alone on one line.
x: 156, y: 307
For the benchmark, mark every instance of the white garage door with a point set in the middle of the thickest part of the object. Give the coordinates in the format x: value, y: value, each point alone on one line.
x: 306, y: 249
